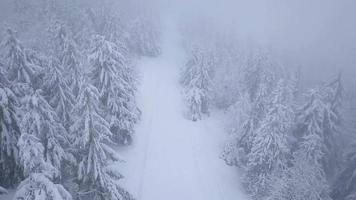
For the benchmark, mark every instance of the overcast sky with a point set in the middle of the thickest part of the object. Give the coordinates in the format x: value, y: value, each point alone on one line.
x: 319, y: 35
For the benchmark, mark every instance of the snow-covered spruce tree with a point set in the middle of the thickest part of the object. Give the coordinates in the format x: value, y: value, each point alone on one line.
x: 196, y: 82
x: 250, y: 109
x: 345, y: 185
x: 19, y: 67
x: 269, y: 149
x: 254, y: 73
x: 69, y: 57
x: 243, y: 125
x: 305, y: 178
x: 113, y: 30
x: 143, y: 37
x: 321, y: 114
x: 113, y: 78
x: 42, y: 146
x: 71, y: 61
x: 98, y: 180
x: 58, y: 93
x: 39, y: 173
x: 41, y: 121
x: 333, y: 124
x: 10, y: 168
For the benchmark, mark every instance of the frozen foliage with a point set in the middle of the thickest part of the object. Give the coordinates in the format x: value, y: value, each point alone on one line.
x: 92, y: 137
x: 284, y: 154
x: 316, y: 151
x: 143, y: 37
x: 40, y: 173
x: 40, y: 187
x: 305, y: 179
x: 230, y: 61
x: 269, y: 149
x: 42, y: 151
x: 113, y: 78
x: 41, y: 79
x: 345, y: 185
x: 320, y: 115
x: 41, y: 122
x: 196, y: 82
x: 58, y: 93
x: 70, y: 59
x: 251, y: 108
x: 20, y: 69
x: 10, y: 168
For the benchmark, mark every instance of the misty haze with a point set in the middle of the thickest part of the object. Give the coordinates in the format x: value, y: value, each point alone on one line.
x: 177, y: 100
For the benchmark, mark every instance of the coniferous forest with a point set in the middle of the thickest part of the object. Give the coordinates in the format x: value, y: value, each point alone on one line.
x: 143, y: 100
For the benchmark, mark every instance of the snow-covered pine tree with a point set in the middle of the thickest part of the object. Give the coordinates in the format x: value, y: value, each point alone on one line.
x: 10, y: 168
x: 345, y: 185
x: 305, y: 179
x: 39, y: 173
x: 196, y: 80
x: 269, y: 149
x: 113, y: 78
x: 58, y: 93
x: 98, y: 180
x: 243, y: 124
x: 113, y: 30
x: 143, y: 37
x: 69, y: 57
x: 254, y: 73
x: 321, y: 115
x: 250, y: 109
x: 19, y: 67
x: 41, y: 121
x: 333, y: 125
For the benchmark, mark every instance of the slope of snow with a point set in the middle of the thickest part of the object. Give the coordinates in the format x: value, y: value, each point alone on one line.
x: 172, y: 157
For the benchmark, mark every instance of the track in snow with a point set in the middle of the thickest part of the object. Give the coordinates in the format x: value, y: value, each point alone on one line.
x: 173, y: 158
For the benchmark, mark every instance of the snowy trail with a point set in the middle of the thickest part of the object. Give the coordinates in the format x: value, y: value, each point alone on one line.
x: 173, y: 158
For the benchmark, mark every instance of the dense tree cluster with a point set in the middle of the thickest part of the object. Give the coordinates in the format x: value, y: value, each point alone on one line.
x: 286, y: 142
x: 67, y: 95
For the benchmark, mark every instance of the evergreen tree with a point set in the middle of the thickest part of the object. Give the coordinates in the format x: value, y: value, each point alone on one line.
x: 243, y: 124
x: 305, y: 179
x: 143, y: 38
x: 97, y: 179
x: 41, y: 121
x: 269, y: 149
x: 70, y: 58
x: 345, y: 185
x: 252, y: 108
x: 10, y: 168
x: 259, y: 76
x: 333, y: 124
x: 196, y: 81
x: 318, y: 119
x: 113, y: 78
x: 320, y: 115
x: 19, y: 67
x: 58, y: 93
x: 39, y: 173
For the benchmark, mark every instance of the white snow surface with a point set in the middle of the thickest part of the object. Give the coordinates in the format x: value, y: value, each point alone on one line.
x: 173, y: 158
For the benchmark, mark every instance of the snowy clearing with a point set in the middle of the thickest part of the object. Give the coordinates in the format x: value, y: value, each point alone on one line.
x: 172, y: 157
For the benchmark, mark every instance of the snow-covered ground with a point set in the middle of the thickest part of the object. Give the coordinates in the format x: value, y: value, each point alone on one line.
x: 172, y: 157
